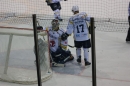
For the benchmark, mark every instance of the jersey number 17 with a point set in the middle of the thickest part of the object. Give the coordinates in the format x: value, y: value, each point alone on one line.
x: 80, y: 26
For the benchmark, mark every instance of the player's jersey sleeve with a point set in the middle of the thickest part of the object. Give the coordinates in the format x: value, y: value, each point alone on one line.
x: 70, y: 27
x: 85, y: 16
x: 60, y: 31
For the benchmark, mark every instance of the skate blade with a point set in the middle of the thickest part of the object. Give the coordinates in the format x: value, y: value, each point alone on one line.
x: 58, y: 65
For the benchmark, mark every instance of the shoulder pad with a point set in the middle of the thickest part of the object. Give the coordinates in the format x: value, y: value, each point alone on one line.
x: 71, y: 20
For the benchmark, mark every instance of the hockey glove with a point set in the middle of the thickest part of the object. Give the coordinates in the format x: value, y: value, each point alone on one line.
x: 39, y: 28
x: 64, y: 36
x: 89, y: 29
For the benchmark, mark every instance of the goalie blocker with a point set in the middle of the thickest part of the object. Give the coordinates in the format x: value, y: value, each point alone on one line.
x: 64, y: 36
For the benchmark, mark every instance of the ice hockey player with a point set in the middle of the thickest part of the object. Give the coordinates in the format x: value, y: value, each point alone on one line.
x: 58, y: 48
x: 56, y: 7
x: 78, y: 26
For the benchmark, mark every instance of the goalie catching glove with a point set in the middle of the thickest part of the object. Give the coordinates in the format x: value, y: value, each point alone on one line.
x: 64, y: 36
x: 89, y: 29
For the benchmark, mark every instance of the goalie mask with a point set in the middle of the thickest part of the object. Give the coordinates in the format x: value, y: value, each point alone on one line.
x: 75, y: 8
x: 55, y: 24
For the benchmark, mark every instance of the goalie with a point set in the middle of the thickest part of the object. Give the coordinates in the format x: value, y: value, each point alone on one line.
x: 58, y: 48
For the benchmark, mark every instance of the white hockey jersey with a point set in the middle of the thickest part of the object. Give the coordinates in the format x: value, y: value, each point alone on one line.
x: 54, y: 38
x: 78, y: 25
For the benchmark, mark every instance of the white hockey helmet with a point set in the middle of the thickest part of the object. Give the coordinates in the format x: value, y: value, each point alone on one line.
x: 75, y: 8
x: 55, y: 24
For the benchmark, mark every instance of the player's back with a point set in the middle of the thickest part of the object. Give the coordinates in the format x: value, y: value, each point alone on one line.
x: 80, y: 26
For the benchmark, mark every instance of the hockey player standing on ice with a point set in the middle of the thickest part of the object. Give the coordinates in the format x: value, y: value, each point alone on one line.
x: 58, y: 47
x: 78, y: 26
x: 128, y: 33
x: 56, y: 7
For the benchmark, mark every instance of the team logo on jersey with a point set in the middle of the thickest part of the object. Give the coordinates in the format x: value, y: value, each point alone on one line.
x: 84, y: 34
x: 52, y: 43
x: 77, y: 35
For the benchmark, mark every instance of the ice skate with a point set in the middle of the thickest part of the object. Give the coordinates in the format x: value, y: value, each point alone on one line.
x: 87, y: 62
x: 79, y: 59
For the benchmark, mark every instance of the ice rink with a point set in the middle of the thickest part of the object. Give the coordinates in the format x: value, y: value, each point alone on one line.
x: 112, y: 60
x: 112, y: 52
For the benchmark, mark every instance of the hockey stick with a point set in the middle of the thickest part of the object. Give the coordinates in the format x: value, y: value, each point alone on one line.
x: 71, y: 46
